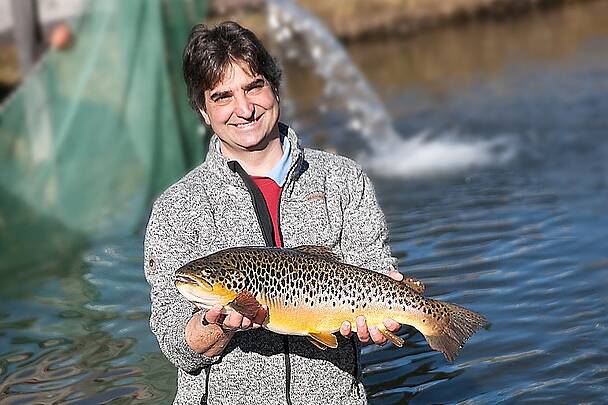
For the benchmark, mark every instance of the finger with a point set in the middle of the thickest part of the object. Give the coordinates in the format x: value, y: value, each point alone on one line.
x: 345, y: 329
x: 376, y: 336
x: 233, y: 321
x: 246, y: 323
x: 213, y: 314
x: 391, y: 325
x: 362, y: 331
x: 201, y: 317
x: 220, y: 319
x: 395, y: 275
x: 260, y: 317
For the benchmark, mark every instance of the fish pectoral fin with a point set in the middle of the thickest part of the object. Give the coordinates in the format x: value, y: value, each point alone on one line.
x: 319, y: 251
x: 324, y: 338
x: 318, y: 344
x: 246, y: 304
x: 415, y: 284
x: 396, y: 340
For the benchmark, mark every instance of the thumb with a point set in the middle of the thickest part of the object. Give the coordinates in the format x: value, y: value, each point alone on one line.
x: 395, y: 275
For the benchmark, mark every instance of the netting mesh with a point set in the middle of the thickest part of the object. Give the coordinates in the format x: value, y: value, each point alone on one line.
x: 93, y: 133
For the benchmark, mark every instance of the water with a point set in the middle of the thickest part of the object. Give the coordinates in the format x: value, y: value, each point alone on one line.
x: 359, y: 123
x: 522, y: 240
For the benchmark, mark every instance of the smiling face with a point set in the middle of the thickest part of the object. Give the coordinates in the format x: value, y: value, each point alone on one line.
x: 243, y: 111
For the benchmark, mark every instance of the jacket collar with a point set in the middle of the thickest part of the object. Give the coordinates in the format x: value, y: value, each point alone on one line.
x: 218, y: 163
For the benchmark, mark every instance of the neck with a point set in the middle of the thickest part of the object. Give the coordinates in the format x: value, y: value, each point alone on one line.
x: 256, y: 162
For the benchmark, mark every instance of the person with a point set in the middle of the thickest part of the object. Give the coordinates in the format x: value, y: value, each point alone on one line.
x: 257, y: 186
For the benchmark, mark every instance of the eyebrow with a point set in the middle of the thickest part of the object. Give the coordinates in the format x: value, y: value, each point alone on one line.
x: 220, y: 94
x: 227, y: 93
x: 256, y: 83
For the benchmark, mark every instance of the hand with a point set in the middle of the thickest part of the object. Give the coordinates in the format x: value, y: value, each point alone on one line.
x: 233, y: 321
x: 364, y: 333
x: 208, y: 332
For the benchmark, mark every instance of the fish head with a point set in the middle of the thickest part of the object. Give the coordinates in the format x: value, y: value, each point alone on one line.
x: 207, y: 282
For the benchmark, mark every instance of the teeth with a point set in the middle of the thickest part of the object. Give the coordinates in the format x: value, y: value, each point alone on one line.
x: 246, y: 124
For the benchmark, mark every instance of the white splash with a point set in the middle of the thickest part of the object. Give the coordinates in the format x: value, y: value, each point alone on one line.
x: 423, y: 156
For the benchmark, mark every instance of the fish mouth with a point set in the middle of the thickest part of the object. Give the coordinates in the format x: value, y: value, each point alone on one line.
x: 182, y: 279
x: 200, y: 292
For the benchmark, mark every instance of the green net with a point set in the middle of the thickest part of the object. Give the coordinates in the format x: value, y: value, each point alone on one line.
x: 95, y: 132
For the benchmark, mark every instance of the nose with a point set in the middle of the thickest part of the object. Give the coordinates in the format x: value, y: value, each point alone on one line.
x: 244, y: 107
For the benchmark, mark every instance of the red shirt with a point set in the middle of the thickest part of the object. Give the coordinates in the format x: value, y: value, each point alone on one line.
x: 272, y: 194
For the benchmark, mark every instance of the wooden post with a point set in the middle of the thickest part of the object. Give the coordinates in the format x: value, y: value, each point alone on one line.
x: 38, y: 128
x: 28, y: 36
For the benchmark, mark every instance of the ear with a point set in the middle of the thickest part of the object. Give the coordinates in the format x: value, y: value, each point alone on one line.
x: 205, y: 116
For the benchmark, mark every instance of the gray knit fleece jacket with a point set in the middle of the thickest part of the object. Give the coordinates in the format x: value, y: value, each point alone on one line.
x: 327, y: 200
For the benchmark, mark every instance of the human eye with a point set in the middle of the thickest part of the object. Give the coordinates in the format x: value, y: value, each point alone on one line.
x: 221, y: 98
x: 256, y: 86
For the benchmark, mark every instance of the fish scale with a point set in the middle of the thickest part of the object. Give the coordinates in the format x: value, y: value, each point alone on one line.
x: 309, y: 292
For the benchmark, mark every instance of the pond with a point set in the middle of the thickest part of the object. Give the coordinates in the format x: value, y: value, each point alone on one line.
x: 517, y: 231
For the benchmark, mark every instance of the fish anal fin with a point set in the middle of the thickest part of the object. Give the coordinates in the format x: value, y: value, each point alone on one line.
x: 396, y: 340
x: 416, y: 285
x: 246, y: 304
x: 319, y: 251
x: 324, y: 338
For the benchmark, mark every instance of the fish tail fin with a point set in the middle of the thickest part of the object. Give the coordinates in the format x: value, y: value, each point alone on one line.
x: 454, y: 328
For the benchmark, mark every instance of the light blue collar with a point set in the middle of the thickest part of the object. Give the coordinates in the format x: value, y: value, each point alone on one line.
x: 280, y: 171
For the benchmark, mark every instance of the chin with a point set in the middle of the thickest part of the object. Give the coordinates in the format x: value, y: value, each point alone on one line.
x: 256, y: 140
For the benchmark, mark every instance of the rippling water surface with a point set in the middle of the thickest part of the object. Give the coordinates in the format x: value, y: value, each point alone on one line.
x: 522, y: 240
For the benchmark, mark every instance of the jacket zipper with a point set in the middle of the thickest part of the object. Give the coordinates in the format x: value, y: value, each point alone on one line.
x: 285, y: 337
x: 206, y: 394
x: 264, y: 220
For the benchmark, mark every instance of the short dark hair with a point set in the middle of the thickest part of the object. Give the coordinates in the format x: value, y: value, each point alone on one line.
x: 210, y: 50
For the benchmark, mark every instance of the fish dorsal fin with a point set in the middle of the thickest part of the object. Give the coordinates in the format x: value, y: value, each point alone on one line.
x: 246, y: 304
x: 319, y: 251
x: 416, y: 285
x: 323, y: 339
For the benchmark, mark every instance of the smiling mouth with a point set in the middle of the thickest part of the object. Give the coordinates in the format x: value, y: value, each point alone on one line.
x: 248, y: 123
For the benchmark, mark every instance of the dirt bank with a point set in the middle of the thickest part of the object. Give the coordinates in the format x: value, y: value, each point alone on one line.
x: 357, y: 19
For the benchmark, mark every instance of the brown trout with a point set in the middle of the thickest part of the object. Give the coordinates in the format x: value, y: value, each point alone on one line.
x: 309, y: 292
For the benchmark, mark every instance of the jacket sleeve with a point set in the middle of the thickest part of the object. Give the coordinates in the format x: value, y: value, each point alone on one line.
x: 176, y: 234
x: 364, y: 233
